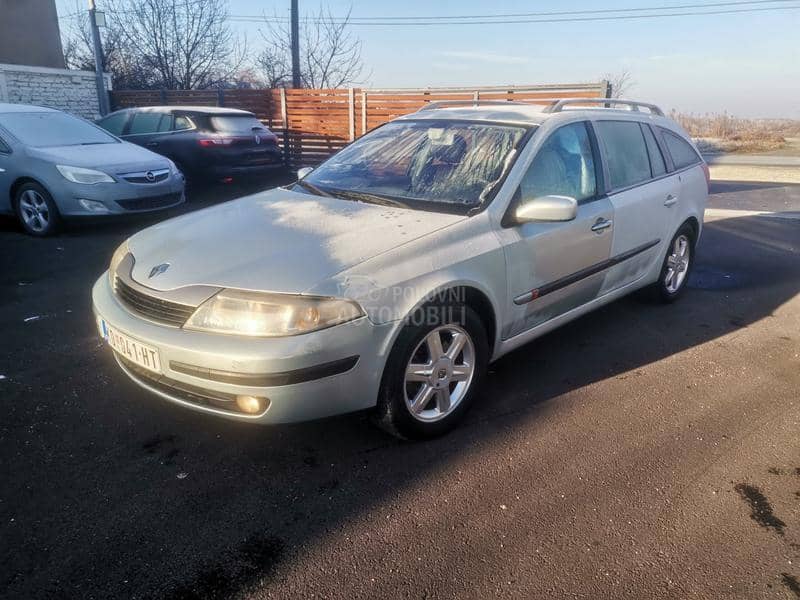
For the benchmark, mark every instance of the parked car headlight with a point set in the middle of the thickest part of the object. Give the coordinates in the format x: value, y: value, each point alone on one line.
x: 270, y: 315
x: 81, y: 175
x: 116, y: 258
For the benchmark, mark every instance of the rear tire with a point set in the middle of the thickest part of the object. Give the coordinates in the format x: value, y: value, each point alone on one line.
x: 676, y: 268
x: 36, y: 210
x: 429, y: 385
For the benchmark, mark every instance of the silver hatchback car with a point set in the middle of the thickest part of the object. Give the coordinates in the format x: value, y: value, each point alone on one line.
x: 54, y: 166
x: 391, y: 275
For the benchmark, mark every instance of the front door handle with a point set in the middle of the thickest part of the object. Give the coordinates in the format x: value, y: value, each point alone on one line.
x: 602, y: 225
x: 671, y: 199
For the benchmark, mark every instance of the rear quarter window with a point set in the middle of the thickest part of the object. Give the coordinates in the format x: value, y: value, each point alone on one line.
x: 682, y: 153
x: 4, y: 148
x: 625, y: 152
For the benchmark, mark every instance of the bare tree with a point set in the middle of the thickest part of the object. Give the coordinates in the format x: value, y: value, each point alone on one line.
x: 621, y: 82
x: 330, y: 56
x: 173, y: 44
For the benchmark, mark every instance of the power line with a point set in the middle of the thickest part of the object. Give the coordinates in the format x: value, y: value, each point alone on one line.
x: 415, y: 18
x: 621, y: 17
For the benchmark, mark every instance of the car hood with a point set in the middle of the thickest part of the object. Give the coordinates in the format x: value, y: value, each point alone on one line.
x: 112, y: 158
x: 279, y: 241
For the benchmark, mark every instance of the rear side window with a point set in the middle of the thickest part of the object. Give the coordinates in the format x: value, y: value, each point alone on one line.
x: 683, y: 155
x: 625, y: 151
x: 181, y: 123
x: 146, y: 122
x: 114, y: 123
x: 657, y: 164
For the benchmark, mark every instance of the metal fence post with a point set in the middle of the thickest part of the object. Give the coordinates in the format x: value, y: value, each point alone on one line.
x: 220, y: 97
x: 351, y: 99
x: 287, y: 157
x: 163, y: 96
x: 363, y: 112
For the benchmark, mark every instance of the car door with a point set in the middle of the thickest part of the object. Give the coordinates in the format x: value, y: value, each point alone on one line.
x: 147, y: 128
x: 554, y: 267
x: 6, y: 177
x: 641, y: 191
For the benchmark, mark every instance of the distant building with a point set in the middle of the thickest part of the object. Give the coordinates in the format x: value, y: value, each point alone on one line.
x: 29, y: 33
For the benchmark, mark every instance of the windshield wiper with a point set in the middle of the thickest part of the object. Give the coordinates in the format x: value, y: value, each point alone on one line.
x: 367, y: 197
x: 312, y: 188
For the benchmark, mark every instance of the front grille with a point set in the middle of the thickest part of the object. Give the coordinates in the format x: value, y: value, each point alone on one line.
x: 150, y: 202
x: 142, y: 177
x: 178, y: 389
x: 155, y: 309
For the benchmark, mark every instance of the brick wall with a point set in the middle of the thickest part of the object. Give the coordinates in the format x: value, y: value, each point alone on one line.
x: 64, y: 89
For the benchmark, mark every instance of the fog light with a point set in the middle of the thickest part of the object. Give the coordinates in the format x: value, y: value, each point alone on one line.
x: 251, y: 404
x: 93, y: 205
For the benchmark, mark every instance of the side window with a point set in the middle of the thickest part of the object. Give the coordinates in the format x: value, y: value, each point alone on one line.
x: 563, y: 166
x: 165, y: 124
x: 114, y: 123
x: 683, y: 155
x: 625, y: 152
x: 145, y: 122
x: 657, y: 165
x: 181, y: 123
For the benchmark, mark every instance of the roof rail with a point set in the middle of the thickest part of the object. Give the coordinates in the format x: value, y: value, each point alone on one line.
x: 635, y: 105
x: 448, y: 103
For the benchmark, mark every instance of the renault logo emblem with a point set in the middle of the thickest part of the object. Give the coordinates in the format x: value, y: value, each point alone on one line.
x: 149, y: 176
x: 258, y: 140
x: 158, y: 269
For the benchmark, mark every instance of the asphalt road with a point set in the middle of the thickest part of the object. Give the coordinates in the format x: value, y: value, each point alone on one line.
x: 642, y: 451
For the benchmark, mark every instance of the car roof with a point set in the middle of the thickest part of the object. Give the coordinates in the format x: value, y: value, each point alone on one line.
x: 24, y: 108
x: 520, y: 113
x: 208, y: 110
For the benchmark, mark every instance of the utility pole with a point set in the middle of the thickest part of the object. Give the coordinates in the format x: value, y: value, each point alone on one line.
x: 296, y: 83
x: 102, y: 95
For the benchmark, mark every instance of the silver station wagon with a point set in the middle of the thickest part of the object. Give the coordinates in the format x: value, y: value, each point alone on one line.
x: 389, y: 277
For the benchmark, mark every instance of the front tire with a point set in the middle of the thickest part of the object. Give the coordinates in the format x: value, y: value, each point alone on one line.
x: 36, y: 210
x: 433, y: 372
x: 677, y: 266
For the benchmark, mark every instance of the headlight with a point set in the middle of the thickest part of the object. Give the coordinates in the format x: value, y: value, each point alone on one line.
x: 270, y: 315
x: 116, y: 258
x: 81, y: 175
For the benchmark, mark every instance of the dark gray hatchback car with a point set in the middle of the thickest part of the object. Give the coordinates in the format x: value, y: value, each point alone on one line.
x: 221, y: 144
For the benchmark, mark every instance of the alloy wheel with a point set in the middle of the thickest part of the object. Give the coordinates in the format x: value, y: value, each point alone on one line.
x: 677, y: 264
x: 34, y: 210
x: 439, y: 373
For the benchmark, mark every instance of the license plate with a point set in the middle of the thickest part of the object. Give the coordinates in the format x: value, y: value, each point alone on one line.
x: 135, y: 351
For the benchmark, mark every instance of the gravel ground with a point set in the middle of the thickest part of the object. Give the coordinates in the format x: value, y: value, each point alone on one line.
x: 641, y: 451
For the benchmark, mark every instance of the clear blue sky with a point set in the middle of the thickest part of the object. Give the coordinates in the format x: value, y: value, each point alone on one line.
x: 747, y: 64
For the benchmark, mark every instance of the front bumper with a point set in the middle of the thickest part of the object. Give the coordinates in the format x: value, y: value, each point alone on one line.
x: 118, y: 198
x: 293, y: 397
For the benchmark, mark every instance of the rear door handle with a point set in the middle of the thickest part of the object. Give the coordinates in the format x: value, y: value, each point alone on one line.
x: 601, y: 225
x: 671, y: 199
x: 151, y: 144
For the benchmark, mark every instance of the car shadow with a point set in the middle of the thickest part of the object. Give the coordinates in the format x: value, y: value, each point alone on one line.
x: 179, y: 505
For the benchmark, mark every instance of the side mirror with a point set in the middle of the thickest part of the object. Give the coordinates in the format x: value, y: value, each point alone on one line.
x: 304, y: 171
x: 547, y: 208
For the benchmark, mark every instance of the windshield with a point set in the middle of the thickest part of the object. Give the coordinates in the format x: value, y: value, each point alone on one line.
x: 40, y: 129
x: 449, y: 165
x: 236, y: 124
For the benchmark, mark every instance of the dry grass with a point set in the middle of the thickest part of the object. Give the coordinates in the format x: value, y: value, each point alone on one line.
x: 725, y: 133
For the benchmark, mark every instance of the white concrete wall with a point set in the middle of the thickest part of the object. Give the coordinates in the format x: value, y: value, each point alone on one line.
x: 64, y: 89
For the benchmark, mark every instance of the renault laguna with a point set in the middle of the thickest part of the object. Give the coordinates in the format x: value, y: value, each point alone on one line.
x: 389, y: 277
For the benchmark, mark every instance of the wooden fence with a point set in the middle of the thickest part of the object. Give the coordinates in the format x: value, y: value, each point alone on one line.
x: 313, y: 124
